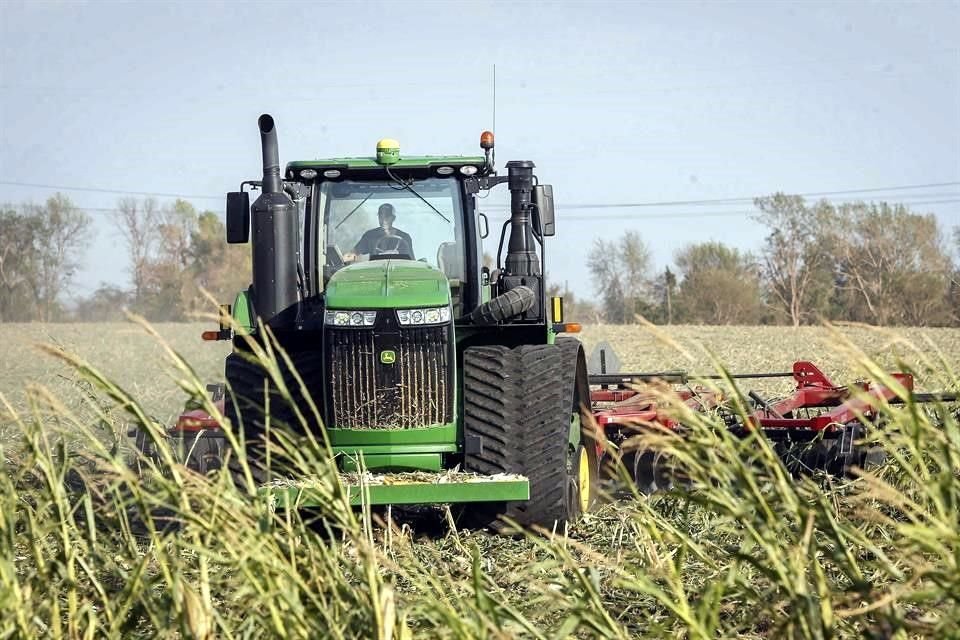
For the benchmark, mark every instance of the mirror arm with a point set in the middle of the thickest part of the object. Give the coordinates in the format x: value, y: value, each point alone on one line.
x: 485, y: 183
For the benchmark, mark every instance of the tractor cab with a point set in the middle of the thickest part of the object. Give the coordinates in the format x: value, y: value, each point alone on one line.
x: 358, y: 211
x: 417, y: 208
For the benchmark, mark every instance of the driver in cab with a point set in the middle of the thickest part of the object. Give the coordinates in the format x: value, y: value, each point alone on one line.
x: 385, y: 239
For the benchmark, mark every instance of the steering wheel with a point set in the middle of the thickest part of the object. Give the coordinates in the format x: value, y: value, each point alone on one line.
x: 391, y: 245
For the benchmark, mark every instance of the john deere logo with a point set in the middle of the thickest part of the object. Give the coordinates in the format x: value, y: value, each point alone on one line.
x: 388, y: 357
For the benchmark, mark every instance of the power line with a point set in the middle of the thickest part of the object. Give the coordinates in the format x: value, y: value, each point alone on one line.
x: 113, y: 191
x: 696, y: 214
x: 717, y: 214
x: 625, y: 216
x: 747, y: 200
x: 665, y: 203
x: 114, y: 210
x: 905, y: 199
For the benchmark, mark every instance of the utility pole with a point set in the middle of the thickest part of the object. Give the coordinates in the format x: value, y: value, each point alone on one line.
x: 669, y: 280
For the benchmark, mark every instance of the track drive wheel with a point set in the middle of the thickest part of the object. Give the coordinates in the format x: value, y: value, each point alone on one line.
x: 520, y: 408
x: 248, y: 385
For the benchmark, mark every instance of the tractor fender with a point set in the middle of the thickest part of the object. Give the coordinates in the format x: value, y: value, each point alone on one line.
x: 575, y: 379
x: 575, y: 358
x: 575, y: 372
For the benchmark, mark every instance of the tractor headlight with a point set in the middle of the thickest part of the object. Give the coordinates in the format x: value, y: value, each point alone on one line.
x: 432, y: 315
x: 351, y: 318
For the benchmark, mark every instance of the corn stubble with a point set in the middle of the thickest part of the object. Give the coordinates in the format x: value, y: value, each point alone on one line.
x: 739, y: 548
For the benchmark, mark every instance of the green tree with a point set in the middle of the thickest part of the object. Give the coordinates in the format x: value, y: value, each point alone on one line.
x: 955, y: 278
x: 176, y: 254
x: 797, y: 263
x: 64, y: 233
x: 719, y: 285
x: 18, y: 265
x: 620, y: 270
x: 106, y: 304
x: 168, y: 271
x: 219, y: 268
x: 137, y: 222
x: 40, y: 247
x: 607, y: 280
x: 664, y: 288
x: 892, y: 267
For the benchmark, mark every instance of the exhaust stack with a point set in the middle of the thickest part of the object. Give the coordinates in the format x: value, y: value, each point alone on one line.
x: 522, y: 259
x: 522, y: 264
x: 274, y: 239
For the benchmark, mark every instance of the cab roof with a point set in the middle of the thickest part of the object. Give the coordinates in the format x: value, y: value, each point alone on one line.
x: 408, y: 162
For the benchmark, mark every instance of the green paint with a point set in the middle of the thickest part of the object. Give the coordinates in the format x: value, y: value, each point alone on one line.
x: 388, y: 356
x: 387, y: 284
x: 388, y: 156
x: 243, y: 313
x: 436, y: 437
x: 485, y: 293
x: 394, y: 462
x: 375, y: 449
x: 411, y: 162
x: 407, y: 493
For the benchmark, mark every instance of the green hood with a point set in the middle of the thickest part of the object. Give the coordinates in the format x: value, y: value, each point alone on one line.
x: 387, y: 284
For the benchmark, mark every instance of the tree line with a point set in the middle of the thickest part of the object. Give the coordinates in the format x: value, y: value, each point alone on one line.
x: 878, y: 263
x: 174, y: 253
x: 40, y: 251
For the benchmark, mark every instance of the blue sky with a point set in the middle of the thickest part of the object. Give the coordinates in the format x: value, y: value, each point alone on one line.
x: 616, y: 103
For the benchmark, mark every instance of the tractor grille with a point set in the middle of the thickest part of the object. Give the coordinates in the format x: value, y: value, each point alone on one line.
x: 414, y: 391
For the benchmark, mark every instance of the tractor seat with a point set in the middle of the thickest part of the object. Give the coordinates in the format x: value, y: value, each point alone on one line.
x: 450, y: 261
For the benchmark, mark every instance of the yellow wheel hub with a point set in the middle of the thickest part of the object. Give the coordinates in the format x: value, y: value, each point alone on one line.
x: 583, y: 480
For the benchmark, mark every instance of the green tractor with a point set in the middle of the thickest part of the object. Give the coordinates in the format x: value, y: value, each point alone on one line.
x: 369, y: 274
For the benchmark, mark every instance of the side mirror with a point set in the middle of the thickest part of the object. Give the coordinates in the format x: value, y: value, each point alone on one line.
x: 543, y: 217
x: 238, y: 217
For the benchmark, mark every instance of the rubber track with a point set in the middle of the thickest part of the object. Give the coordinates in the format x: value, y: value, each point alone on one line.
x: 245, y: 380
x: 519, y: 401
x: 490, y: 405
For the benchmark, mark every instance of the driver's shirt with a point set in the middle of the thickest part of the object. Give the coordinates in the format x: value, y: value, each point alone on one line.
x: 369, y: 240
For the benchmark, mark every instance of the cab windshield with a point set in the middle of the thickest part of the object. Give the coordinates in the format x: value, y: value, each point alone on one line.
x: 372, y: 220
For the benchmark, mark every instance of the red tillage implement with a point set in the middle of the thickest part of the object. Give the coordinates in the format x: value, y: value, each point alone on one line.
x: 815, y: 390
x: 828, y: 419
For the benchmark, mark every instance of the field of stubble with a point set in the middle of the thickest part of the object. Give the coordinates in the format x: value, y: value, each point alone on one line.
x: 743, y: 550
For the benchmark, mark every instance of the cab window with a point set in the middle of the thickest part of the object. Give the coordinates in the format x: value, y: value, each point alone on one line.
x: 364, y: 220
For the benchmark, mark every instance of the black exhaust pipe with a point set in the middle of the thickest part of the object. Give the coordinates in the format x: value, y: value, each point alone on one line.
x: 274, y: 239
x: 271, y: 155
x: 522, y: 264
x: 522, y: 259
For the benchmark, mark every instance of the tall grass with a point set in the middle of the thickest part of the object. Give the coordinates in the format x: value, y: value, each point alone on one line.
x: 91, y: 548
